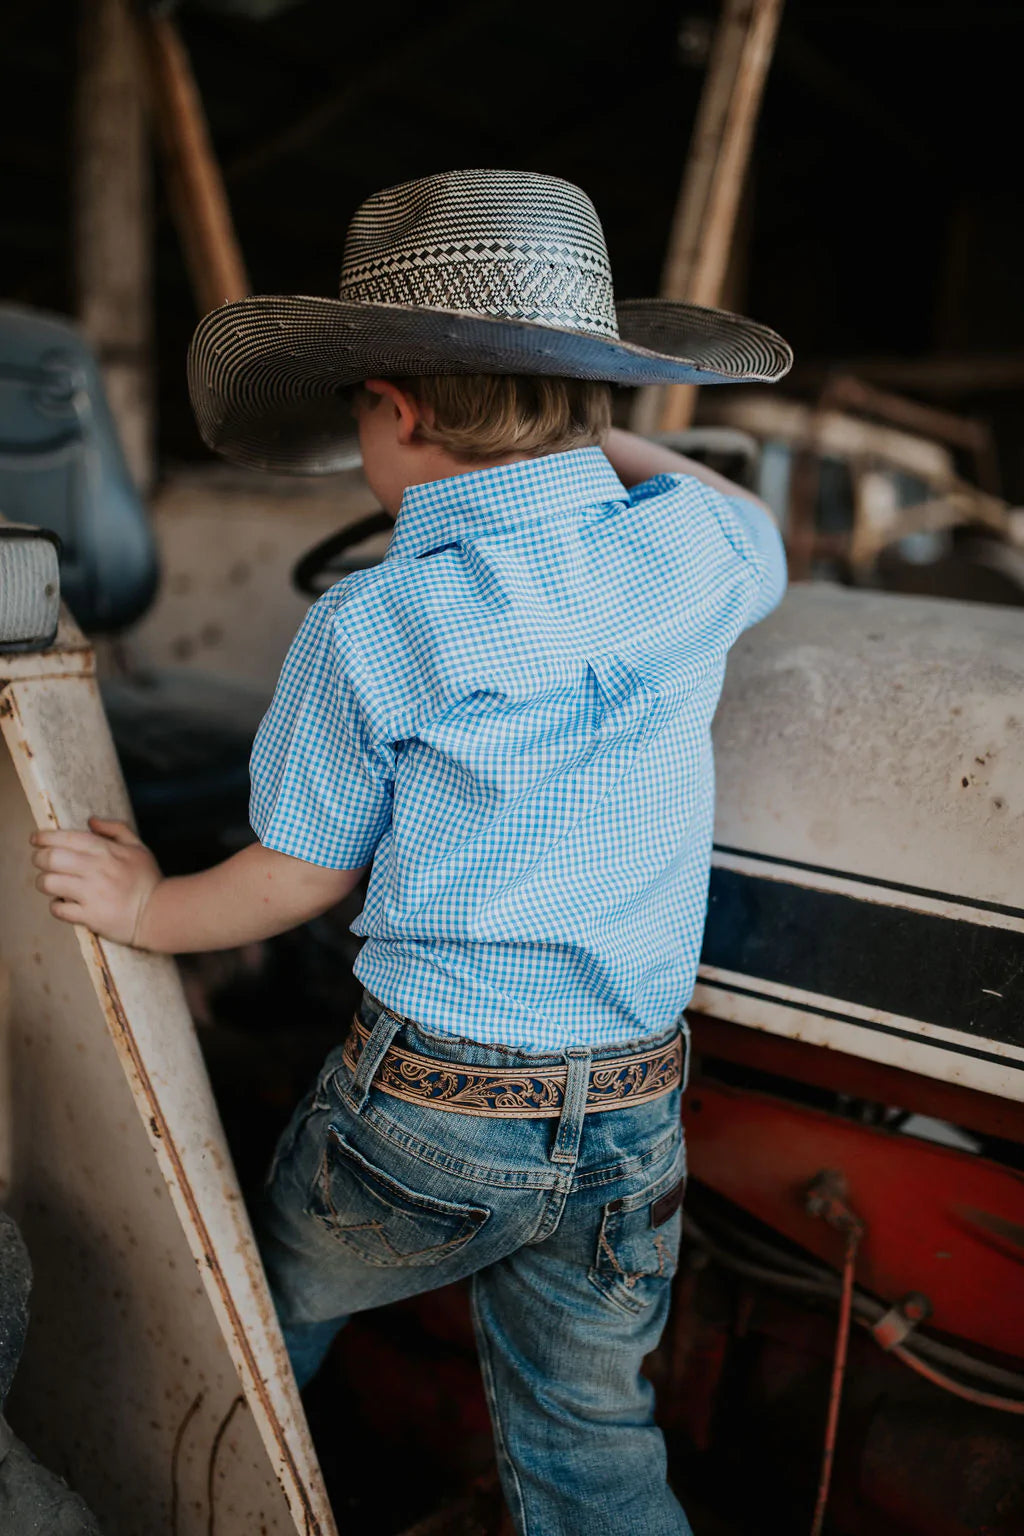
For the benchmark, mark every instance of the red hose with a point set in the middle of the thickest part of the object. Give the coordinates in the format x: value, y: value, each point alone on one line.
x: 838, y: 1375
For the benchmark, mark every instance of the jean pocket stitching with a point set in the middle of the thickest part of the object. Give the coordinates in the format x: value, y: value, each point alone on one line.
x: 660, y: 1186
x: 470, y: 1219
x: 608, y: 1273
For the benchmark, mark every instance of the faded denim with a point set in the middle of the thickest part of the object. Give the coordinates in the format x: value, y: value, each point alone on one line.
x: 563, y: 1226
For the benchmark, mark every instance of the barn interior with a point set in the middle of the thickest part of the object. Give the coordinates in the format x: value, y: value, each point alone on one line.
x: 841, y: 171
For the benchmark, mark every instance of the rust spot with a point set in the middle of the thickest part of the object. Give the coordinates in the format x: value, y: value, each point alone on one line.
x: 123, y: 1035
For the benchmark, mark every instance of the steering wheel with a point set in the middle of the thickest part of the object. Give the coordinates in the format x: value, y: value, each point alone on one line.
x: 331, y: 559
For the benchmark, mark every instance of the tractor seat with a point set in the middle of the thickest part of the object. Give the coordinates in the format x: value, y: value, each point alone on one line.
x: 61, y: 467
x: 183, y: 739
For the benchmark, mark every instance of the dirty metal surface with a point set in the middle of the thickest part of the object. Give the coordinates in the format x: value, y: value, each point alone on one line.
x: 866, y: 887
x: 938, y: 1221
x: 228, y: 542
x: 857, y: 1077
x: 71, y: 655
x: 154, y: 1375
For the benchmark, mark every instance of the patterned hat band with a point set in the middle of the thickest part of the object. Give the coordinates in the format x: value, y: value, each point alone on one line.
x: 544, y: 293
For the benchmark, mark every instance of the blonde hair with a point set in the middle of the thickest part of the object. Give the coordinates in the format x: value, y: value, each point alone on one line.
x: 485, y: 415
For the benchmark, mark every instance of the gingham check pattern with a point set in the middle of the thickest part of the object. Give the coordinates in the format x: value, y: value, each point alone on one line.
x: 511, y: 717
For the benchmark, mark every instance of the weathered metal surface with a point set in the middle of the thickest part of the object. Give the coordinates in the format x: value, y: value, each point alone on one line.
x: 866, y: 891
x: 944, y: 1472
x: 920, y: 1205
x: 71, y: 655
x: 227, y: 543
x: 857, y: 1078
x: 154, y: 1375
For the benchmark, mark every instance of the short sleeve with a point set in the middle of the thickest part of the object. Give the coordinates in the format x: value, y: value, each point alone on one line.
x: 754, y: 535
x: 321, y: 784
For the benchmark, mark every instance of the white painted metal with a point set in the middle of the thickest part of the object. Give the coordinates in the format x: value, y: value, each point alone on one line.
x: 227, y: 543
x: 154, y: 1377
x: 880, y: 738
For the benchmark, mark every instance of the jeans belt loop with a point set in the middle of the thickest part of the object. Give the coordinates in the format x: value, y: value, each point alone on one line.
x: 684, y: 1030
x: 370, y: 1058
x: 574, y: 1105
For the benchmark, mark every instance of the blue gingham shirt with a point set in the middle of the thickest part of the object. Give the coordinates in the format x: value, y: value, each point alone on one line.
x: 510, y: 716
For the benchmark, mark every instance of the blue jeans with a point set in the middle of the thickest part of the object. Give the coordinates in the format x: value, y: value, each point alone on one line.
x: 564, y: 1227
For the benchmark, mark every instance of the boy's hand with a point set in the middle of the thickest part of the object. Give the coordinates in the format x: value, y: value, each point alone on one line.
x: 102, y: 878
x: 108, y: 881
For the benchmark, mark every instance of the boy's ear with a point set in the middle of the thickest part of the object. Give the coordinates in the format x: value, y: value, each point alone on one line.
x: 407, y: 409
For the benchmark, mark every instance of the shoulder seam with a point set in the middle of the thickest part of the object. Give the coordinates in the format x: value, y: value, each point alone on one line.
x: 713, y: 500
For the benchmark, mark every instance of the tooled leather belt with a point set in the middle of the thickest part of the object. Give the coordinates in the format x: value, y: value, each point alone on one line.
x: 616, y: 1082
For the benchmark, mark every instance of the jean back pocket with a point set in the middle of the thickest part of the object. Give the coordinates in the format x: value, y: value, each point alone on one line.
x: 638, y: 1240
x: 381, y: 1220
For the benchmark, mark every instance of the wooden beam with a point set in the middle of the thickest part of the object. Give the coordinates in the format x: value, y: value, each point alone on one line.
x: 844, y: 392
x: 944, y: 373
x: 716, y: 168
x: 196, y: 193
x: 6, y: 1087
x: 828, y: 433
x: 112, y: 221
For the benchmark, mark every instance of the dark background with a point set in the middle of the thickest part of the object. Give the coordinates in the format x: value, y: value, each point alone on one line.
x: 884, y: 214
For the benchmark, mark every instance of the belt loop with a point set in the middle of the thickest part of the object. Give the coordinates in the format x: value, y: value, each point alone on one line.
x: 370, y: 1058
x: 574, y: 1105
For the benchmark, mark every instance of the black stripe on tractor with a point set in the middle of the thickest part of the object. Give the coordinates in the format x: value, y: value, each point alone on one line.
x: 873, y: 1024
x: 885, y: 885
x: 960, y: 975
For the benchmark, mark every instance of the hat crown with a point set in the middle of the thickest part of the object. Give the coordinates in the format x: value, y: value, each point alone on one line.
x: 515, y: 245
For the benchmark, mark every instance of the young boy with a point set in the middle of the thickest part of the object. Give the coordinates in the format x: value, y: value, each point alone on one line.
x: 509, y: 718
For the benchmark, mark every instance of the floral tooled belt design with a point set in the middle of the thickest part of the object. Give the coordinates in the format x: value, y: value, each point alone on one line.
x: 614, y: 1083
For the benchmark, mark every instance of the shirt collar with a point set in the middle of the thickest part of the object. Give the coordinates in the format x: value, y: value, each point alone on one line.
x: 498, y: 500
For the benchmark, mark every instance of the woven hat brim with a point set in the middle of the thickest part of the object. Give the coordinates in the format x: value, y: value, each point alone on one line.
x: 265, y: 373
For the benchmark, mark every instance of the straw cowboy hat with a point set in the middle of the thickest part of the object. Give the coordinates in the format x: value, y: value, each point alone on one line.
x: 464, y: 272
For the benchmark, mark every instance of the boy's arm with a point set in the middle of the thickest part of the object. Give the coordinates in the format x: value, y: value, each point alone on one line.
x: 635, y: 459
x: 107, y: 880
x: 754, y: 537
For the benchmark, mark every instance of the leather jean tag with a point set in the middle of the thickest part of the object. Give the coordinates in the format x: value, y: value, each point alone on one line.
x: 667, y: 1204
